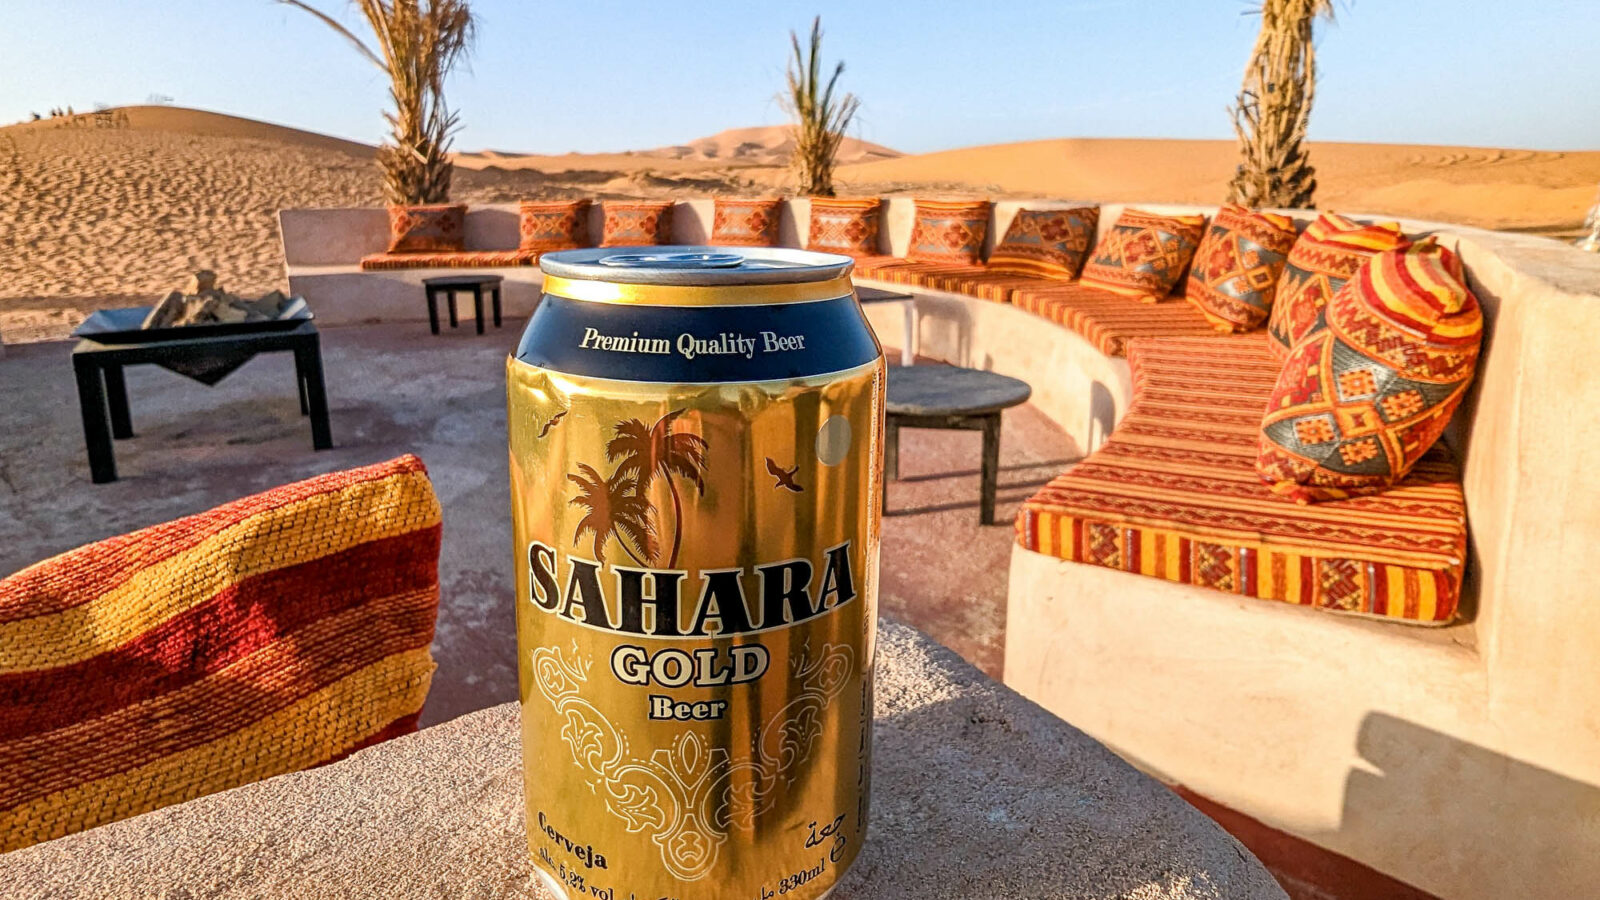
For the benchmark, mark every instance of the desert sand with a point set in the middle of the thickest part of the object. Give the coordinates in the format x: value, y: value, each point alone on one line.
x: 94, y: 216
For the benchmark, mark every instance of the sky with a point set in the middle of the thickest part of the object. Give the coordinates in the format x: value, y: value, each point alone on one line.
x: 600, y: 76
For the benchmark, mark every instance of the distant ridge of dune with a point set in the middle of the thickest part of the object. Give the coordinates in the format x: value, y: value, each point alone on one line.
x: 95, y: 216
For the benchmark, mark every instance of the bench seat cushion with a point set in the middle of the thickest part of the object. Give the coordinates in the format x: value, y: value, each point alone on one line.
x: 1107, y: 320
x: 464, y: 259
x: 1174, y: 494
x: 960, y: 278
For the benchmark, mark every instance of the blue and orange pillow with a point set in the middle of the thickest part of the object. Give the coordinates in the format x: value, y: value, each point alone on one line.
x: 544, y: 225
x: 1049, y: 243
x: 1363, y: 396
x: 844, y: 225
x: 640, y: 223
x: 1237, y: 267
x: 745, y: 223
x: 1144, y: 255
x: 949, y: 231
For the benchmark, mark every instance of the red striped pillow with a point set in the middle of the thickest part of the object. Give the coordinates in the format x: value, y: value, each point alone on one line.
x: 275, y: 633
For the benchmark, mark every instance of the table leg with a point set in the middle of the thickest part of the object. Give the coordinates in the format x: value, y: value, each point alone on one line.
x: 96, y: 429
x: 908, y: 349
x: 433, y: 310
x: 891, y: 451
x: 477, y: 305
x: 117, y: 400
x: 308, y: 366
x: 497, y: 306
x: 452, y: 295
x: 300, y: 382
x: 991, y: 467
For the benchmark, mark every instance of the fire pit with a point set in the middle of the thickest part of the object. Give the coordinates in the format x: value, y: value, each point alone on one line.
x: 207, y: 351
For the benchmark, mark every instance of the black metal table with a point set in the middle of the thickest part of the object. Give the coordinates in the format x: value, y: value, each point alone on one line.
x: 908, y: 349
x: 939, y: 396
x: 103, y: 392
x: 450, y: 284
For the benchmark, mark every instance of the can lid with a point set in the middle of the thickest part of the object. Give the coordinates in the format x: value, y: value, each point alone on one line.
x: 696, y: 265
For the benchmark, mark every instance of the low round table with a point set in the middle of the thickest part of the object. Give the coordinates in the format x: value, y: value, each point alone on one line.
x: 450, y: 284
x: 938, y: 396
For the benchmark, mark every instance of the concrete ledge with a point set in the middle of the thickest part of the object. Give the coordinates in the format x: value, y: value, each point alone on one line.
x: 977, y: 793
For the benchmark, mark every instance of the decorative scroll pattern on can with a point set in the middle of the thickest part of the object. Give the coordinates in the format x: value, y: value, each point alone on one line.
x: 696, y: 455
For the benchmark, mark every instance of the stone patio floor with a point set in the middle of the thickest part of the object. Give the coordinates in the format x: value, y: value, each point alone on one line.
x: 394, y: 389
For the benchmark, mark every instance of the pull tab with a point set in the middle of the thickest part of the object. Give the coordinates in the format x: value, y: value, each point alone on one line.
x: 672, y: 260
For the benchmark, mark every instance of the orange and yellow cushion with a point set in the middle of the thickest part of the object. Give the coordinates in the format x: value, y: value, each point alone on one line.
x: 1173, y: 494
x: 275, y: 633
x: 438, y: 228
x: 544, y: 225
x: 1362, y: 399
x: 844, y: 225
x: 949, y: 231
x: 1049, y: 243
x: 636, y: 224
x: 1106, y: 320
x: 744, y: 223
x: 1143, y: 255
x: 1322, y: 259
x: 465, y: 259
x: 1237, y: 267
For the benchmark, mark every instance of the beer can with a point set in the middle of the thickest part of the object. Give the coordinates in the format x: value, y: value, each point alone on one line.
x: 696, y: 442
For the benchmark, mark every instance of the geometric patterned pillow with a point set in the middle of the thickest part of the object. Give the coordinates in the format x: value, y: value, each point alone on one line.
x: 1237, y: 267
x: 744, y: 223
x: 1359, y: 401
x: 438, y: 228
x: 1047, y: 242
x: 950, y: 231
x: 553, y: 224
x: 1144, y: 255
x: 268, y: 635
x: 846, y: 225
x: 640, y: 224
x: 1325, y: 255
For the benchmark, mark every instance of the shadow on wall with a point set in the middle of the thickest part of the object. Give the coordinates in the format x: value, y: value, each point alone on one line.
x: 1102, y: 416
x: 951, y: 323
x: 1469, y: 792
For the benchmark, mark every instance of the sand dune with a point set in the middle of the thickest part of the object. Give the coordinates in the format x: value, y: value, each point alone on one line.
x: 98, y: 216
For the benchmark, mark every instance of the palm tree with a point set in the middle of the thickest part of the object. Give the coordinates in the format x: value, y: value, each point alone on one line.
x: 1274, y: 106
x: 820, y: 117
x: 615, y: 509
x: 659, y: 451
x: 418, y: 43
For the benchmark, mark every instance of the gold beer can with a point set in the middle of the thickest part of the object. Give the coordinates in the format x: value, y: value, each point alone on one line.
x: 696, y: 463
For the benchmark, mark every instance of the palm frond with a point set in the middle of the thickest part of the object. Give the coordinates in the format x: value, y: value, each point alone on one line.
x: 821, y: 117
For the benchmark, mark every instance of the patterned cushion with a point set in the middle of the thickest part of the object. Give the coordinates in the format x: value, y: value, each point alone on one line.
x: 553, y: 224
x: 1174, y: 494
x: 1237, y: 267
x: 637, y: 224
x: 1106, y: 320
x: 427, y: 229
x: 959, y: 278
x: 745, y: 223
x: 1326, y: 254
x: 844, y: 225
x: 1359, y: 401
x: 1051, y: 243
x: 1144, y: 255
x: 949, y: 231
x: 271, y: 634
x: 466, y: 259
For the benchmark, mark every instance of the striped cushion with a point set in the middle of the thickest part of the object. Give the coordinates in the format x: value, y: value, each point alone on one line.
x: 1359, y: 401
x: 271, y: 634
x: 553, y: 224
x: 439, y: 228
x: 1144, y: 255
x: 949, y: 231
x: 646, y: 223
x: 465, y: 259
x: 1322, y: 259
x: 847, y: 225
x: 1174, y: 494
x: 1109, y: 321
x: 1050, y: 243
x: 744, y: 223
x: 959, y: 278
x: 1236, y: 270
